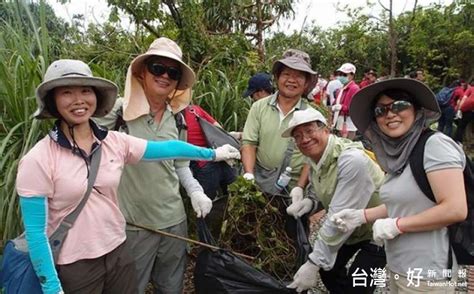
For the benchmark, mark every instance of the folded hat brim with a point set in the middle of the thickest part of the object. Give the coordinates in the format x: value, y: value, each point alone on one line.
x: 287, y: 133
x: 361, y: 111
x: 293, y: 64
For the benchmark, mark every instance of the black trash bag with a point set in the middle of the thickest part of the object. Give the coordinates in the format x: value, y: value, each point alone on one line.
x: 220, y: 271
x: 303, y: 247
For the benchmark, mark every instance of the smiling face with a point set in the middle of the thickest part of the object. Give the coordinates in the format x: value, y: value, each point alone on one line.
x: 75, y: 104
x: 394, y: 124
x: 292, y: 83
x: 159, y: 87
x: 312, y: 139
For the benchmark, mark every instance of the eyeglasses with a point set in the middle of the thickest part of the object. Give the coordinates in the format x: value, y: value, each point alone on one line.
x: 306, y: 133
x: 395, y: 107
x: 158, y: 69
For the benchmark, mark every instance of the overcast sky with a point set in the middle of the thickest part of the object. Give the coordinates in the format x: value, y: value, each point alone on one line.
x: 322, y: 12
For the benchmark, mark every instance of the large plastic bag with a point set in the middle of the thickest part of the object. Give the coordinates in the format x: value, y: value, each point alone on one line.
x: 220, y: 271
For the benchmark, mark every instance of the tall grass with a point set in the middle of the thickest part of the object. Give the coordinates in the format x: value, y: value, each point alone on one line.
x: 222, y: 98
x: 24, y: 55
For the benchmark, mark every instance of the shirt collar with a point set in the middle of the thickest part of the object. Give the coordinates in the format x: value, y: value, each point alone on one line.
x: 57, y: 135
x: 273, y: 101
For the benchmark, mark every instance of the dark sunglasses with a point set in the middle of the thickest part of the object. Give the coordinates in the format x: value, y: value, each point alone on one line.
x: 158, y: 69
x: 395, y: 107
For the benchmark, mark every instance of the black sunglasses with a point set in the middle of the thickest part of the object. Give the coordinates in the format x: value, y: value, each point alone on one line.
x: 395, y: 107
x: 158, y: 69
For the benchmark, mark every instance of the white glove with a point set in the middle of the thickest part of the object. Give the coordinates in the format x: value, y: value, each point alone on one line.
x: 385, y: 229
x: 298, y: 209
x: 226, y: 152
x: 201, y: 203
x: 249, y: 176
x: 348, y: 219
x: 305, y: 277
x: 296, y: 194
x: 336, y: 107
x: 236, y: 135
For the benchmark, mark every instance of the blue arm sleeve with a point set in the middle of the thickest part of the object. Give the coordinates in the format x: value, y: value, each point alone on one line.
x: 35, y: 215
x: 174, y: 149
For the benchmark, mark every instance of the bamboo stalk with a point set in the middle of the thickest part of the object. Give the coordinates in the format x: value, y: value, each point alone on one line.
x: 192, y: 241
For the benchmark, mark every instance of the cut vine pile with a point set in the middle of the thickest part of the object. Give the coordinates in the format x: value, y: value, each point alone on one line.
x: 254, y: 224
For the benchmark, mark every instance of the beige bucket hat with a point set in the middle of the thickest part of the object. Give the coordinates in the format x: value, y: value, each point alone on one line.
x: 297, y: 60
x: 70, y: 72
x: 135, y: 102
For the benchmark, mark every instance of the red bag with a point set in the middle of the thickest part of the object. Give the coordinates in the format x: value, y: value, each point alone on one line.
x: 468, y: 104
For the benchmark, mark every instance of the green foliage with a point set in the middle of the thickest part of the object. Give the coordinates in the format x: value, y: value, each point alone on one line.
x: 438, y: 40
x: 255, y: 225
x: 24, y: 55
x: 223, y: 98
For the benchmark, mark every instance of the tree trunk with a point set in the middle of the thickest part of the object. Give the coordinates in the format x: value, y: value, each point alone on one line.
x: 393, y: 42
x: 259, y: 24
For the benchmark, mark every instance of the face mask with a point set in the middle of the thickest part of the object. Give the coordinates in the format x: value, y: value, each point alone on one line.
x: 343, y: 80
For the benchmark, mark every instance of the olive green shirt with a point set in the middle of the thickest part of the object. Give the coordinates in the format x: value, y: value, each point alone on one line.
x: 149, y: 191
x: 263, y: 128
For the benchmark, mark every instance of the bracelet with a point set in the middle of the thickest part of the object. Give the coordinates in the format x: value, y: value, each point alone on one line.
x: 398, y: 226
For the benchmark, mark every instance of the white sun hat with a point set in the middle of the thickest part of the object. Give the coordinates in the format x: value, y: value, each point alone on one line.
x: 301, y: 117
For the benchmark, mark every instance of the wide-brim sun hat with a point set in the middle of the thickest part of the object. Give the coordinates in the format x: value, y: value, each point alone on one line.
x: 295, y: 59
x: 70, y: 72
x: 361, y: 108
x: 165, y: 47
x: 301, y: 117
x: 135, y: 103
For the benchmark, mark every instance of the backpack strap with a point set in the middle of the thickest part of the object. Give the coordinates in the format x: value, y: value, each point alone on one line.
x: 181, y: 125
x: 419, y: 173
x: 417, y: 167
x: 57, y: 238
x: 120, y: 123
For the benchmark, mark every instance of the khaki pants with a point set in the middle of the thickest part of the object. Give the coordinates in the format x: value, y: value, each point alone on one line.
x: 111, y: 273
x: 160, y: 259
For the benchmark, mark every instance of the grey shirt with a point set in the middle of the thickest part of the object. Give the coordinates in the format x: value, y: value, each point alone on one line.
x: 421, y: 250
x: 353, y: 190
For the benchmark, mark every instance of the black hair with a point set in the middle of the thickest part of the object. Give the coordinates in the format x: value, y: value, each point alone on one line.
x: 396, y: 94
x: 280, y: 68
x: 51, y: 107
x: 268, y: 89
x: 153, y: 57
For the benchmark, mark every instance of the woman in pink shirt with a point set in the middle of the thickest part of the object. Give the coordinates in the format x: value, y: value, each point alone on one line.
x: 52, y: 178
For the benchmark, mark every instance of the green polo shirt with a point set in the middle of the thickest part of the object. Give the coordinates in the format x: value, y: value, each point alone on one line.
x: 149, y: 191
x: 263, y: 129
